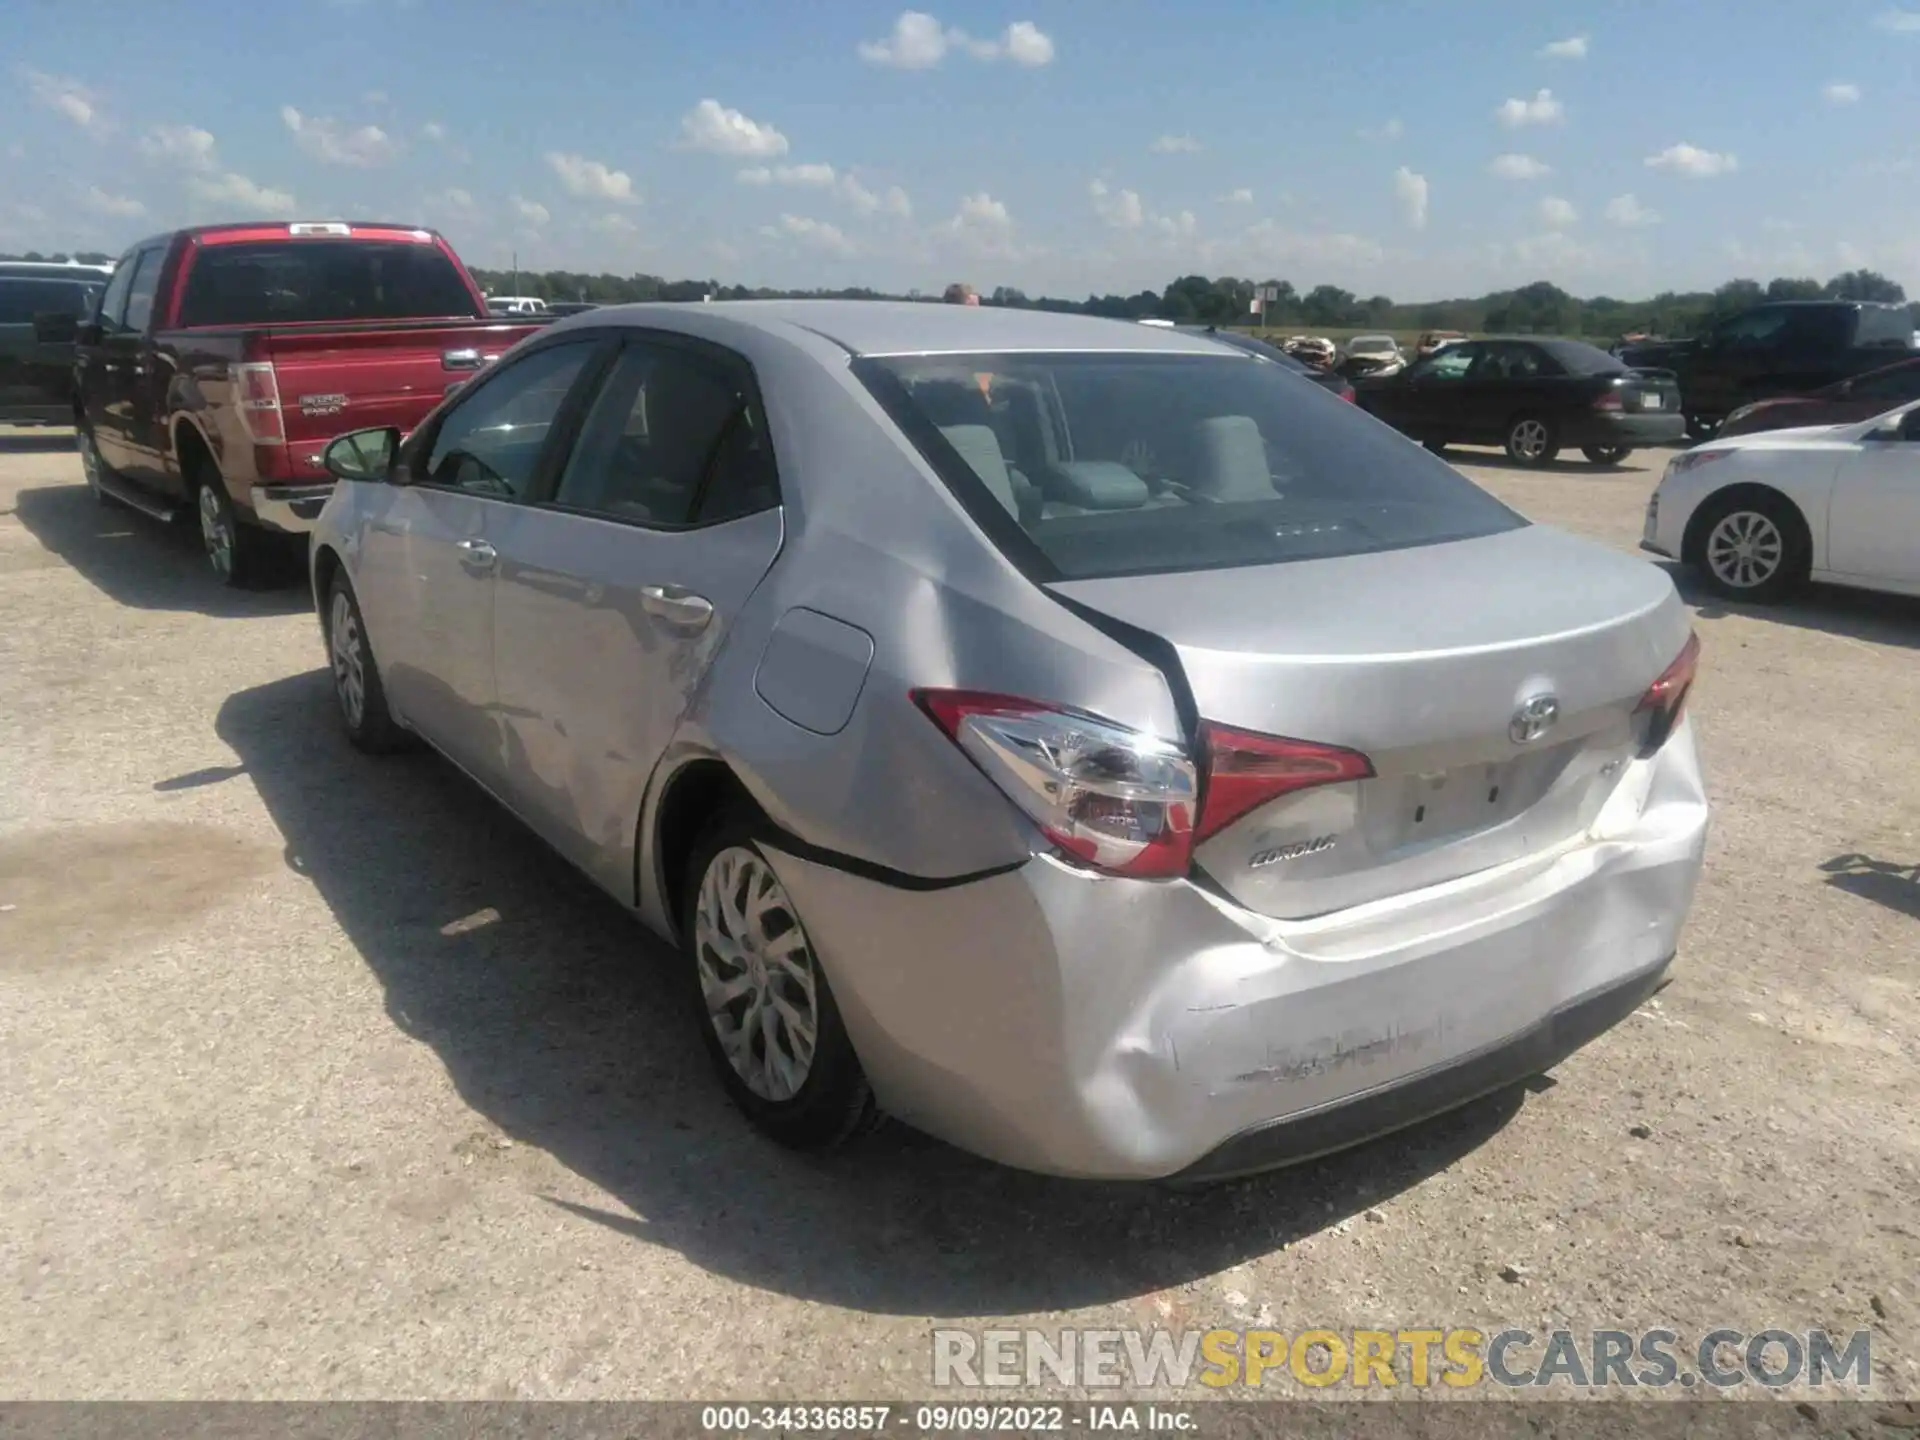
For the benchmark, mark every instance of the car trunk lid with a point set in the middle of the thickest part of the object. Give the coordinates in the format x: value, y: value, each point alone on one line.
x: 1646, y: 390
x: 1434, y: 662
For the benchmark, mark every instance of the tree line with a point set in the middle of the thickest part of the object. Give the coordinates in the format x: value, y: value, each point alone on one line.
x: 1541, y: 308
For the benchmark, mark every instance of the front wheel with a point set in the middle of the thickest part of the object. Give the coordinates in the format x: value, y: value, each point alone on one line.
x: 92, y: 466
x: 1532, y: 441
x: 1753, y: 548
x: 766, y: 1013
x: 356, y: 678
x: 1606, y: 454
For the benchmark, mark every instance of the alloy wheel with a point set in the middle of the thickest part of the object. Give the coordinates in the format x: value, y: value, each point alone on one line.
x: 757, y: 974
x: 1745, y: 549
x: 349, y: 659
x: 1529, y: 439
x: 216, y: 531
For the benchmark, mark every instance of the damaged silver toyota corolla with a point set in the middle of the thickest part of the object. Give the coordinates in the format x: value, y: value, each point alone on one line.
x: 1096, y: 746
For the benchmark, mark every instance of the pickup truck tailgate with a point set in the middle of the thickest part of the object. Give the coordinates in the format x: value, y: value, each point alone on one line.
x: 333, y: 379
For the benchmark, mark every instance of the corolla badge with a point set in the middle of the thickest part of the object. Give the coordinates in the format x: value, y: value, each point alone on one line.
x: 1299, y: 849
x: 1536, y: 716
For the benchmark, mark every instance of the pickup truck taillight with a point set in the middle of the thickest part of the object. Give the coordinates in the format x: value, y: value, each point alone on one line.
x: 258, y: 389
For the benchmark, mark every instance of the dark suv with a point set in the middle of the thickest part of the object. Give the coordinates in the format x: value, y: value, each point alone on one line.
x: 41, y: 309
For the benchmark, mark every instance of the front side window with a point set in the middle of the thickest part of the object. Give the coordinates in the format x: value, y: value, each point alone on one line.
x: 285, y: 282
x: 673, y: 439
x: 145, y: 285
x: 1092, y: 465
x: 491, y: 442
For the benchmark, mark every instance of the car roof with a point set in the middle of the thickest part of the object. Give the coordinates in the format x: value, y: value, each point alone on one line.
x: 53, y: 270
x: 907, y: 327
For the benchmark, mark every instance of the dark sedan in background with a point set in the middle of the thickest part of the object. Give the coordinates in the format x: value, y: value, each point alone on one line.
x: 1860, y: 398
x: 1533, y: 397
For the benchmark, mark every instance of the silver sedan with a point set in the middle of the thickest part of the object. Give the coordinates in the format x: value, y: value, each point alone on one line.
x: 1093, y: 745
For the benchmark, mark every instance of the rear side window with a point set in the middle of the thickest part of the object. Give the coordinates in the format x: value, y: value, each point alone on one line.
x: 1091, y: 465
x: 1885, y: 327
x: 674, y: 439
x: 21, y: 300
x: 294, y: 281
x: 1895, y: 386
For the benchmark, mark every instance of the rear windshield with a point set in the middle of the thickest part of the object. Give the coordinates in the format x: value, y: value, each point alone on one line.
x: 288, y: 282
x: 1084, y: 466
x: 1579, y: 358
x: 22, y: 299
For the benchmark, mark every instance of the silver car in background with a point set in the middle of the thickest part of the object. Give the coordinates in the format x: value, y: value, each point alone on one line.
x: 1081, y: 740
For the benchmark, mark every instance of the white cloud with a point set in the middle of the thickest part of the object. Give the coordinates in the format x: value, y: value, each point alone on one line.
x: 893, y: 202
x: 1558, y: 214
x: 1574, y: 47
x: 712, y: 126
x: 1519, y: 167
x: 816, y: 233
x: 613, y: 223
x: 1242, y: 196
x: 1850, y: 255
x: 1121, y: 209
x: 591, y: 179
x: 1842, y: 92
x: 1181, y: 228
x: 1898, y: 22
x: 920, y: 42
x: 239, y: 197
x: 1542, y: 109
x: 1555, y: 253
x: 180, y: 145
x: 817, y: 175
x: 65, y: 97
x: 1391, y: 130
x: 452, y: 198
x: 1270, y: 245
x: 531, y: 211
x: 327, y: 141
x: 1175, y: 145
x: 1628, y: 212
x: 434, y: 130
x: 1690, y: 160
x: 756, y: 175
x: 1410, y: 190
x: 1025, y: 44
x: 982, y: 226
x: 119, y: 206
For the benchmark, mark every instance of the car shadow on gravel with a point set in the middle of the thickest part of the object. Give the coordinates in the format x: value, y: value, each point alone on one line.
x: 146, y: 565
x: 560, y: 1021
x: 1891, y: 883
x: 1868, y: 615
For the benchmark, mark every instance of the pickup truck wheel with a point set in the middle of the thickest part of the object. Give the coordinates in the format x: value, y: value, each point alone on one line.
x: 92, y: 466
x: 1606, y: 454
x: 1531, y: 440
x: 356, y: 678
x: 1700, y: 427
x: 235, y: 551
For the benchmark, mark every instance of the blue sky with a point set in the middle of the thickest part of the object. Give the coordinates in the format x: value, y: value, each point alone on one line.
x: 1389, y: 146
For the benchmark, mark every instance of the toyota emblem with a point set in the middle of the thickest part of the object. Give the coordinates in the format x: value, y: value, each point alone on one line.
x: 1535, y: 717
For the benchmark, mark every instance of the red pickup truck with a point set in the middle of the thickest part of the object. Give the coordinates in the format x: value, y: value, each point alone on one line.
x: 223, y: 358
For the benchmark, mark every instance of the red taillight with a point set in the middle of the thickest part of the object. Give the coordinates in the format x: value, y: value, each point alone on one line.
x: 1609, y: 400
x: 1121, y: 800
x: 1245, y: 770
x: 1347, y: 394
x: 1114, y: 798
x: 1667, y: 697
x: 258, y: 390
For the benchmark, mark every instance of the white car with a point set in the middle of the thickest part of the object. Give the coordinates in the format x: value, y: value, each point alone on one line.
x: 1759, y: 515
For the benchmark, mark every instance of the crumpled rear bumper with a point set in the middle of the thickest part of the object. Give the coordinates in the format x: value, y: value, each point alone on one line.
x: 1099, y: 1027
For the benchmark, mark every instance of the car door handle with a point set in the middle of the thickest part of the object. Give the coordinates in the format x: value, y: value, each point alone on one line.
x: 682, y: 607
x: 477, y: 554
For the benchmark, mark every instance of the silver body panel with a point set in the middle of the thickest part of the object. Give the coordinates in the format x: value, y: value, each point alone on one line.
x: 997, y: 996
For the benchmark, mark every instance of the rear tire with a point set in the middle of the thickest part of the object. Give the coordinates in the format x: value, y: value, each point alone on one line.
x: 760, y: 997
x: 1533, y: 441
x: 1751, y: 548
x: 1699, y: 427
x: 369, y: 723
x: 92, y: 466
x: 1606, y: 454
x: 240, y: 555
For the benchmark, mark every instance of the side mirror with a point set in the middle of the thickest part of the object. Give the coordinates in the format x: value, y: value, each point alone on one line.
x: 56, y: 327
x: 362, y: 454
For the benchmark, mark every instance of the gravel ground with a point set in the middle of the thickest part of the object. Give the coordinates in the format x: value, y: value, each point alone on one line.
x: 323, y: 1079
